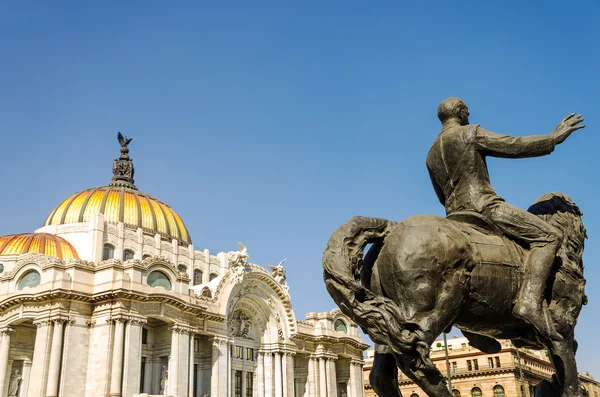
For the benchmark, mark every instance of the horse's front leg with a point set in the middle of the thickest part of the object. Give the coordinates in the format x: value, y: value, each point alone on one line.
x: 563, y: 358
x: 384, y: 374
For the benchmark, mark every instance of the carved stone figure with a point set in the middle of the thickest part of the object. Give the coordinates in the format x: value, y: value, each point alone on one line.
x: 279, y: 275
x: 240, y: 324
x: 490, y: 269
x: 123, y: 166
x: 14, y: 383
x: 164, y: 376
x: 238, y: 261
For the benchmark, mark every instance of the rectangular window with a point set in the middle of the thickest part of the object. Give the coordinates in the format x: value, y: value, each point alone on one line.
x: 239, y: 352
x: 463, y: 345
x: 249, y: 383
x: 196, y: 345
x: 476, y: 364
x: 238, y: 384
x: 142, y: 373
x: 469, y: 366
x: 449, y: 347
x: 454, y: 367
x: 249, y: 354
x: 491, y: 362
x: 144, y: 336
x: 497, y: 361
x: 195, y: 379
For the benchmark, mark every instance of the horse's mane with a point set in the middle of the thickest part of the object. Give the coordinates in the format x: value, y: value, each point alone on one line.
x: 561, y: 212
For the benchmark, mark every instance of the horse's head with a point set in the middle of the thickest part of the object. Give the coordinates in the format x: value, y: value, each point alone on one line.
x: 561, y: 212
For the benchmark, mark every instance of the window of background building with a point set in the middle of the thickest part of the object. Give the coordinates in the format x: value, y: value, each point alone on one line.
x: 213, y: 276
x: 414, y: 395
x: 197, y: 277
x: 249, y: 354
x: 108, y: 252
x: 497, y: 361
x: 238, y: 384
x: 144, y: 336
x: 498, y: 391
x: 475, y: 392
x: 455, y: 393
x: 146, y: 256
x: 463, y: 345
x: 1, y: 268
x: 454, y: 367
x: 340, y: 326
x: 475, y: 365
x: 159, y: 279
x: 239, y: 352
x: 30, y: 279
x: 249, y: 383
x: 182, y: 268
x: 127, y: 254
x: 469, y: 366
x: 142, y: 374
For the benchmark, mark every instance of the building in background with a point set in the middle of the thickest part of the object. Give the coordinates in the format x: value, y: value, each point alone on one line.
x: 111, y: 298
x: 477, y: 374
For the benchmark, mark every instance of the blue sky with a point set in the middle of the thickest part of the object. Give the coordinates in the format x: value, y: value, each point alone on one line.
x: 272, y: 123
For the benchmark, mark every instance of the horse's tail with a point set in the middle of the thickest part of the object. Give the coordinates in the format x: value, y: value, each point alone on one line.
x: 380, y: 317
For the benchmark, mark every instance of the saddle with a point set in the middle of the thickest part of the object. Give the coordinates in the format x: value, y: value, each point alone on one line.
x: 476, y: 220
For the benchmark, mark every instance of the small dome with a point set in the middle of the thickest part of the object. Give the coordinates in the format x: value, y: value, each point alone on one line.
x: 121, y: 204
x: 42, y: 243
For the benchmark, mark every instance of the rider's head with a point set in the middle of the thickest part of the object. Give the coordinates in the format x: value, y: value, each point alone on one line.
x: 453, y: 109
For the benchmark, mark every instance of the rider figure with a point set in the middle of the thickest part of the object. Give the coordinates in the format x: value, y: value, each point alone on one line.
x: 458, y: 170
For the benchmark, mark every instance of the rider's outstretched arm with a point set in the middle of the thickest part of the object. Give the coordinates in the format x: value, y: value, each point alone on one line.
x: 498, y: 145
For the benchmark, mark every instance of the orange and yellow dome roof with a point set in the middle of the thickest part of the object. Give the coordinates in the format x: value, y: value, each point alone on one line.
x: 43, y: 243
x: 121, y: 204
x: 121, y: 201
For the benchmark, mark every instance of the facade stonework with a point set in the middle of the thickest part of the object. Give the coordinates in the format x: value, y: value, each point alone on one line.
x: 477, y: 374
x: 133, y: 311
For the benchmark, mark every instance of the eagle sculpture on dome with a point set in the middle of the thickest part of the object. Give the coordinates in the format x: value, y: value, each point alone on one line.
x: 123, y: 139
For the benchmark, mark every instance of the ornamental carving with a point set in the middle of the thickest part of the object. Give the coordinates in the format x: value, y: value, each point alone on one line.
x: 238, y: 261
x: 278, y: 273
x: 240, y: 325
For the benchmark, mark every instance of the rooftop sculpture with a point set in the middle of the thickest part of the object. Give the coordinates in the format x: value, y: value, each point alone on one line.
x: 490, y: 269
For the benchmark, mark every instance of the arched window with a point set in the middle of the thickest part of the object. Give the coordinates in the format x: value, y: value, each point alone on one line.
x: 182, y: 268
x: 206, y: 293
x: 455, y: 393
x: 159, y: 279
x: 340, y: 326
x: 146, y: 256
x: 498, y: 391
x: 127, y: 254
x: 475, y: 392
x: 1, y: 268
x: 108, y: 252
x: 213, y: 276
x: 197, y: 277
x: 414, y: 395
x: 30, y: 279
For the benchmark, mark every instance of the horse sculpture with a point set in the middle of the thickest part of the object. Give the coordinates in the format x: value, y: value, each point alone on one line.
x: 427, y: 273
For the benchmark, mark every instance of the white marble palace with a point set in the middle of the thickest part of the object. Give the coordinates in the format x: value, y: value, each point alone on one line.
x: 110, y: 298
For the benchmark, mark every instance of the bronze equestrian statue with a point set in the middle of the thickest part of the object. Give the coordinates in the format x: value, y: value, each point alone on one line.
x: 490, y: 269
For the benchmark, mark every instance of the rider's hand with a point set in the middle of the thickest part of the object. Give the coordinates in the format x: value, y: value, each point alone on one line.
x: 566, y: 127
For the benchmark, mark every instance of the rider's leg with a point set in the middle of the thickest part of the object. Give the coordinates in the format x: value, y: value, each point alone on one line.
x: 544, y: 241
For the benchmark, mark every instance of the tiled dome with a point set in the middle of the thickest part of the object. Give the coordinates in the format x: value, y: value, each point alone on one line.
x: 43, y: 243
x: 121, y: 204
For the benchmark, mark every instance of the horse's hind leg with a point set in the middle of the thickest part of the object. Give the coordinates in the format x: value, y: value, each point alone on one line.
x: 384, y: 374
x: 563, y: 358
x: 431, y: 382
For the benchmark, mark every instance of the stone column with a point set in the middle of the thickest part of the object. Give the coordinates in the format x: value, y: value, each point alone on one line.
x: 284, y: 375
x: 148, y: 374
x: 278, y: 385
x: 268, y: 374
x: 360, y: 386
x: 156, y: 373
x: 260, y: 375
x: 352, y: 381
x: 311, y: 381
x: 220, y: 377
x: 116, y: 374
x: 7, y: 377
x: 55, y: 357
x: 288, y: 375
x: 331, y: 378
x: 191, y: 365
x: 4, y: 347
x: 41, y: 350
x: 322, y: 377
x: 26, y: 376
x: 174, y: 363
x: 133, y: 359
